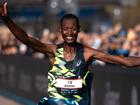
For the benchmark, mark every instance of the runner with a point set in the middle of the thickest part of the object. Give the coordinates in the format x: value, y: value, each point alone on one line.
x: 68, y: 82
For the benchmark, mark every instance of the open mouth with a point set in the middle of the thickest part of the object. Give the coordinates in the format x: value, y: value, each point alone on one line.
x: 69, y: 38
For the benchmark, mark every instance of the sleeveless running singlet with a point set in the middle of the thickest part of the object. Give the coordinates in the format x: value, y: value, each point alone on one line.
x: 68, y: 81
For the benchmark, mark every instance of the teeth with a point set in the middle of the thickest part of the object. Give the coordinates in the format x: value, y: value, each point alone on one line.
x: 69, y: 37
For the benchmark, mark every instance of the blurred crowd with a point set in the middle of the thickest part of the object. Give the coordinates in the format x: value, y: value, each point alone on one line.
x: 117, y: 40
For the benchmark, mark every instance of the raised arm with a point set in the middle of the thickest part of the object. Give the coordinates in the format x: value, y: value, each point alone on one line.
x: 99, y: 55
x: 22, y: 35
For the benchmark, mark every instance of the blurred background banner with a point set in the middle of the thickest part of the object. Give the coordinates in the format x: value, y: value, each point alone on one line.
x: 26, y: 78
x: 116, y: 85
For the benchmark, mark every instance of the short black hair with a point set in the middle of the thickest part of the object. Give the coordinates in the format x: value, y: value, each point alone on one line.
x: 69, y: 16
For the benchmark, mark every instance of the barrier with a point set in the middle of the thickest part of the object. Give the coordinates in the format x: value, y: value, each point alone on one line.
x: 26, y: 77
x: 116, y: 85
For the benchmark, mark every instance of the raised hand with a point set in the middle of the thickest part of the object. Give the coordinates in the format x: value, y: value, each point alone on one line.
x: 3, y: 9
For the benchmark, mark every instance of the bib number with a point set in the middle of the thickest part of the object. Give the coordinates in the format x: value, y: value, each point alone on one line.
x: 69, y: 83
x: 69, y: 86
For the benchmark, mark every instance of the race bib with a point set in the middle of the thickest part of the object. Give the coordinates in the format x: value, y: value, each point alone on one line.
x: 67, y: 83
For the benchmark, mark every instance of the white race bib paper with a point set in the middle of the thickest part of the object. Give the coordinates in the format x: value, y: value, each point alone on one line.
x: 69, y: 83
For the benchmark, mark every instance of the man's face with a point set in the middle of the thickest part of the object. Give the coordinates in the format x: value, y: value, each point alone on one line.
x: 69, y: 30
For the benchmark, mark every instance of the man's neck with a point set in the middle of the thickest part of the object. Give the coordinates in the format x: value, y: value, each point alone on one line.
x: 70, y: 46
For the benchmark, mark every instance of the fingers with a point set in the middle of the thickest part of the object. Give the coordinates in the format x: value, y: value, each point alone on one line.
x: 5, y: 8
x: 5, y: 4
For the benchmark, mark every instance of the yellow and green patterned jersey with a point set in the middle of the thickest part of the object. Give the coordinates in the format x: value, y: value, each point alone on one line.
x: 68, y: 82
